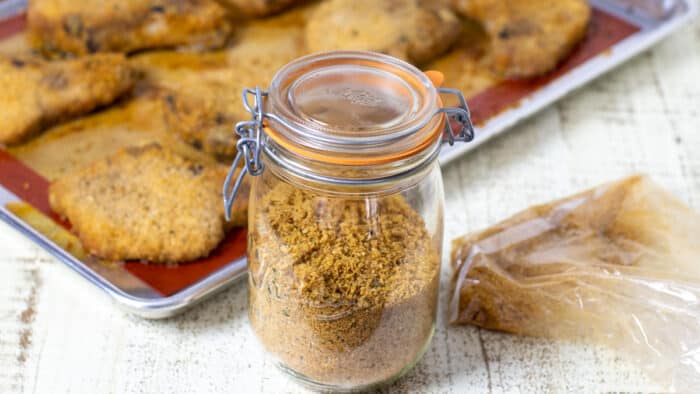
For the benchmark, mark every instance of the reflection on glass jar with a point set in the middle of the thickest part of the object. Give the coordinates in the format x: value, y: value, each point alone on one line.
x: 346, y: 217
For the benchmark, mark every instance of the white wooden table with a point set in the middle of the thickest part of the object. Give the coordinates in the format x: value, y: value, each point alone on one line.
x: 58, y: 335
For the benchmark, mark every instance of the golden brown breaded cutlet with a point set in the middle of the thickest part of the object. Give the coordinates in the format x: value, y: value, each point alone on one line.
x: 462, y: 65
x: 143, y: 203
x: 204, y: 101
x: 528, y: 37
x: 37, y: 94
x: 60, y: 27
x: 413, y: 30
x: 201, y: 110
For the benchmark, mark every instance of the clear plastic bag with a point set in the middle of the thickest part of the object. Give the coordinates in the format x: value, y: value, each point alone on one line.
x: 618, y: 265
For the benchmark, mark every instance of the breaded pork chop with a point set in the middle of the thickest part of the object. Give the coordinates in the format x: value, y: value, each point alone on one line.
x: 200, y: 110
x: 528, y: 37
x: 58, y: 27
x: 204, y: 100
x: 413, y: 30
x: 462, y: 65
x: 64, y: 148
x: 143, y: 203
x: 36, y: 93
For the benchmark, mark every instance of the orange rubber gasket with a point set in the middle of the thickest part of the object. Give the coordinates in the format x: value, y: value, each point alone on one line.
x: 424, y: 144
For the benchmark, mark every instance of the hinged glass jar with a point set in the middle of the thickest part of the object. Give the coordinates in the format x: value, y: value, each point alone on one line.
x: 345, y: 214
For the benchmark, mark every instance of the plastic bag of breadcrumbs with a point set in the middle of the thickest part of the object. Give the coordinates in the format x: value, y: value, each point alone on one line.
x: 617, y: 265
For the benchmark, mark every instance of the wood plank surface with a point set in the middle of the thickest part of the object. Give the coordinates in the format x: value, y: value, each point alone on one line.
x: 58, y: 335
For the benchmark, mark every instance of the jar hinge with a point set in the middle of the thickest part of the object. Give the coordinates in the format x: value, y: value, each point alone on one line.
x: 249, y: 147
x: 458, y: 114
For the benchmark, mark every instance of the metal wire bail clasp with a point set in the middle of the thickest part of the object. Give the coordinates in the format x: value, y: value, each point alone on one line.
x: 460, y: 115
x: 249, y: 147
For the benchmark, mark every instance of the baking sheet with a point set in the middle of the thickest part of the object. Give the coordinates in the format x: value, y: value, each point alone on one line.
x: 619, y: 30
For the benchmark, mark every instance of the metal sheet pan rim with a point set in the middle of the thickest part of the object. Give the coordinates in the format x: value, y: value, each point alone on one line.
x: 10, y: 8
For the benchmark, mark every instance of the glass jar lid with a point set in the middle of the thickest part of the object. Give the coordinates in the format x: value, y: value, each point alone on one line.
x: 353, y: 108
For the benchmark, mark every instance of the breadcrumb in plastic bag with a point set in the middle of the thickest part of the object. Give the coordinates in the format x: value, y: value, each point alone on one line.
x: 618, y: 265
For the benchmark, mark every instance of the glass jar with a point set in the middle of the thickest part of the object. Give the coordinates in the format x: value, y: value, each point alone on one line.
x: 345, y: 215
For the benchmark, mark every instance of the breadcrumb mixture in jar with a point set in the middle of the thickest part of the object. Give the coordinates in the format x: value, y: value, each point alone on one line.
x: 345, y: 216
x: 344, y: 290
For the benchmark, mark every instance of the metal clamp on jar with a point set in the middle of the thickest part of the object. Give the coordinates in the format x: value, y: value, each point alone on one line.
x: 346, y: 214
